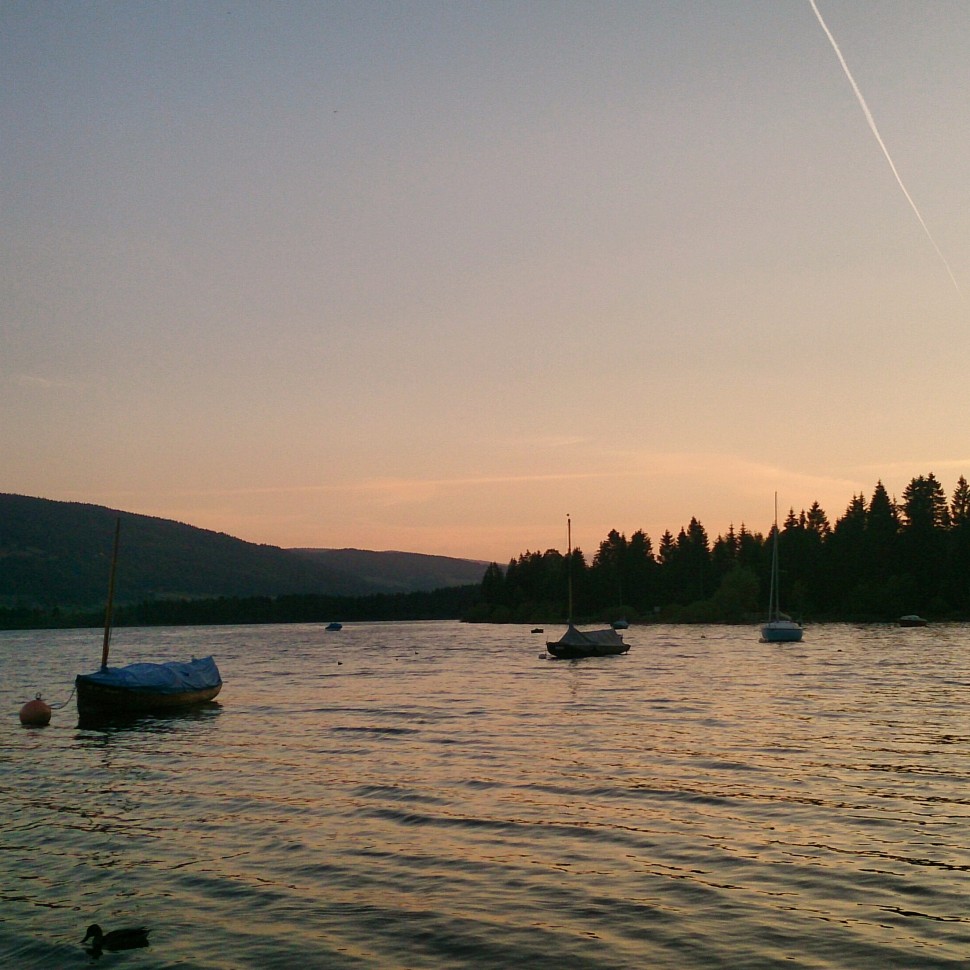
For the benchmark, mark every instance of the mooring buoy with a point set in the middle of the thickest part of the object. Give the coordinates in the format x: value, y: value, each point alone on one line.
x: 35, y: 713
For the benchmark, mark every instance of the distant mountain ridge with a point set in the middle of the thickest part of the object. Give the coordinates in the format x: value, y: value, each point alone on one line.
x: 399, y: 572
x: 58, y: 553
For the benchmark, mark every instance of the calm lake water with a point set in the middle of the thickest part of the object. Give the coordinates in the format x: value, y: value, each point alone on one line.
x: 436, y: 795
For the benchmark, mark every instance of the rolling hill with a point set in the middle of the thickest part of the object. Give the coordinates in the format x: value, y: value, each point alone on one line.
x: 58, y: 553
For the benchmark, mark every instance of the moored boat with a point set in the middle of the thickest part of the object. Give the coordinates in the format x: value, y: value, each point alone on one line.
x: 143, y: 688
x: 148, y: 688
x: 911, y: 619
x: 780, y: 627
x: 577, y: 644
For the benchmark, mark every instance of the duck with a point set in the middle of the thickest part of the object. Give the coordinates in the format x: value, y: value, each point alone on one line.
x: 128, y: 939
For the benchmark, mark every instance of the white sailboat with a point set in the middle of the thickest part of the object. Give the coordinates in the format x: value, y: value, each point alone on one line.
x: 780, y: 627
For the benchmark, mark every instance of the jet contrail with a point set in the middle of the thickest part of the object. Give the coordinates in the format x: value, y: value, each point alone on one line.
x: 882, y: 144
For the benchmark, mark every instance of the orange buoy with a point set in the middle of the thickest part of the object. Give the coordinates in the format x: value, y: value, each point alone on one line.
x: 35, y: 713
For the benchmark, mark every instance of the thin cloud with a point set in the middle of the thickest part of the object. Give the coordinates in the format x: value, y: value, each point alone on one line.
x: 381, y: 485
x: 46, y: 383
x: 900, y: 473
x: 882, y: 144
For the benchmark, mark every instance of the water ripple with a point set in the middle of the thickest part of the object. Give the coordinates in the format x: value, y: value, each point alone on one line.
x: 435, y: 795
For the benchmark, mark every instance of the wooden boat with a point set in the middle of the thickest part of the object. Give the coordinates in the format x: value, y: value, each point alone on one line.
x: 577, y: 644
x: 780, y: 627
x: 143, y: 688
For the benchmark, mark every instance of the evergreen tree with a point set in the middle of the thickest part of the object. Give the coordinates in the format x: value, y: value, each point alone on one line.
x: 493, y: 586
x: 724, y: 553
x: 751, y: 550
x: 924, y: 504
x: 693, y: 554
x: 882, y: 530
x: 960, y: 505
x: 609, y: 569
x: 794, y: 552
x: 817, y: 522
x: 667, y: 563
x: 926, y: 519
x: 641, y: 573
x: 846, y: 559
x: 958, y: 560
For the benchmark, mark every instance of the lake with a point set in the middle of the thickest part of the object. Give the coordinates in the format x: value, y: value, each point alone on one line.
x: 438, y: 795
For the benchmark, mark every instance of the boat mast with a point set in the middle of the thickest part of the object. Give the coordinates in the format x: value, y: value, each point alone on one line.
x: 111, y: 597
x: 773, y: 599
x: 569, y: 567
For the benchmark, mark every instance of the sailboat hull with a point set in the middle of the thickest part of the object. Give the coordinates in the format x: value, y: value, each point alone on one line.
x: 92, y: 699
x: 781, y: 631
x: 567, y: 652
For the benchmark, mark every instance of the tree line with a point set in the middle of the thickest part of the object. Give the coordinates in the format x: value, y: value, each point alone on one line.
x: 449, y: 603
x: 880, y: 559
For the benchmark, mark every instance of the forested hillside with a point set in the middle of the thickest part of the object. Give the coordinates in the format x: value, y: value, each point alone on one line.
x: 58, y: 554
x: 881, y: 558
x: 399, y: 571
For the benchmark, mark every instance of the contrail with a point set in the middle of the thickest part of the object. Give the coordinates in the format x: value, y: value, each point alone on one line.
x: 882, y: 144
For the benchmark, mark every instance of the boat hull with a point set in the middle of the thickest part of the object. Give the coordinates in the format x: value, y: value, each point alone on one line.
x: 97, y: 699
x: 781, y: 631
x: 568, y: 651
x: 912, y: 620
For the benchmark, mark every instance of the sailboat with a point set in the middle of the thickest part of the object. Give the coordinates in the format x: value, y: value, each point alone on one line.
x: 576, y: 644
x: 780, y: 628
x: 143, y: 688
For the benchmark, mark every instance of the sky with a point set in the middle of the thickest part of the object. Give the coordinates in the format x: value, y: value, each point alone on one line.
x: 431, y: 276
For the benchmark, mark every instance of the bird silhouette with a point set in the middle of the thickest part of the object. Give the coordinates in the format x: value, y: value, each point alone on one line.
x: 128, y: 939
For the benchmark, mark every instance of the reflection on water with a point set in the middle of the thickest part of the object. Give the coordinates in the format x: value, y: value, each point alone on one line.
x: 102, y: 721
x: 439, y: 795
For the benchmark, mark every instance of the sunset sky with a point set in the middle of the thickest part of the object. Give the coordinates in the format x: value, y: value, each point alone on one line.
x: 429, y: 276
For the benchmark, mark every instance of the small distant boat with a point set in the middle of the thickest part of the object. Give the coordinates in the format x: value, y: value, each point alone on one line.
x: 911, y: 619
x: 143, y: 688
x: 780, y: 627
x: 538, y: 629
x: 620, y: 624
x: 577, y: 644
x: 333, y: 627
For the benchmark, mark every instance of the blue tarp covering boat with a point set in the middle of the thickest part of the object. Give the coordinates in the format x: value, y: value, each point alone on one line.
x: 175, y: 677
x: 149, y: 687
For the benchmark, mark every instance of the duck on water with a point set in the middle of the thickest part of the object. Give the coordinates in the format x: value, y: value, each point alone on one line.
x: 127, y: 939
